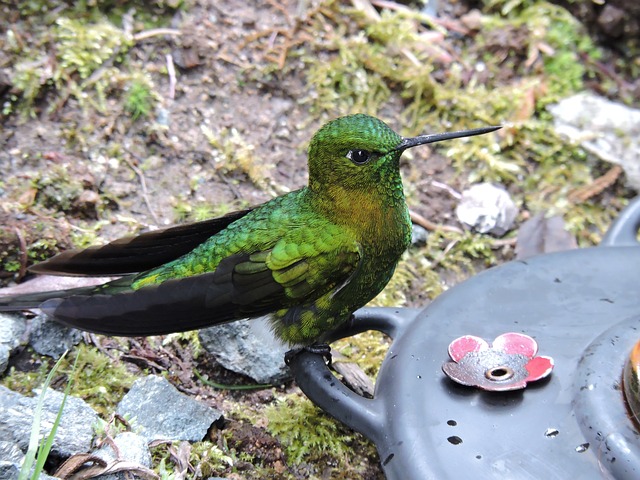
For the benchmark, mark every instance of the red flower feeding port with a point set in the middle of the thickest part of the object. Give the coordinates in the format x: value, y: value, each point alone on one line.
x: 508, y: 364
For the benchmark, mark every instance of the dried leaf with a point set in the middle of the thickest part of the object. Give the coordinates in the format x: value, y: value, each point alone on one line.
x: 540, y: 234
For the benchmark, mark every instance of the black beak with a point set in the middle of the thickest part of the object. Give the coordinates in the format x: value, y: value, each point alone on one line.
x: 438, y: 137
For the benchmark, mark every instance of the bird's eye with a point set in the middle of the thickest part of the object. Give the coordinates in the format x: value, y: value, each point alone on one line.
x: 359, y: 156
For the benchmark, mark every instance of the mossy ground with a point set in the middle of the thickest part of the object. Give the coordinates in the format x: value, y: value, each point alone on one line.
x: 118, y: 116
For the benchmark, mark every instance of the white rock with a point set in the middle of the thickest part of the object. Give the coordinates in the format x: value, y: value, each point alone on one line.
x: 487, y: 209
x: 607, y: 129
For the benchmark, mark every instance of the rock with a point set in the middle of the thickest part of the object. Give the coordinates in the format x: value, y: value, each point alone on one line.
x: 607, y: 129
x: 12, y: 328
x: 419, y: 235
x: 51, y: 338
x: 158, y: 411
x: 131, y: 447
x: 248, y: 347
x: 11, y: 458
x: 75, y: 430
x: 617, y: 20
x: 612, y: 20
x: 487, y: 209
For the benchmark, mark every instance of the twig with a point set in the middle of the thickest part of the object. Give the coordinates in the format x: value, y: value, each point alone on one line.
x: 606, y: 70
x: 503, y: 242
x: 143, y: 184
x: 172, y: 76
x: 443, y: 254
x: 23, y: 254
x: 354, y: 377
x: 154, y: 32
x: 582, y: 194
x: 443, y: 186
x: 366, y: 7
x: 431, y: 226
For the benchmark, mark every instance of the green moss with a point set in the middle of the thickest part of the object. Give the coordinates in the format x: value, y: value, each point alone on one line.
x: 233, y: 153
x: 140, y: 99
x: 56, y: 189
x: 87, y: 237
x: 84, y: 47
x: 99, y: 380
x: 370, y: 64
x: 187, y: 210
x: 210, y: 460
x: 91, y: 54
x: 548, y: 26
x: 26, y: 382
x: 42, y: 249
x: 367, y: 349
x: 306, y: 432
x: 81, y: 49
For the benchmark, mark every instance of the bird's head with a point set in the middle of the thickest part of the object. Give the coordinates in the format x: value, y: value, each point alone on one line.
x: 360, y: 152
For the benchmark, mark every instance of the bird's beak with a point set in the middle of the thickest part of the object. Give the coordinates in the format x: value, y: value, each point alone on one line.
x: 438, y: 137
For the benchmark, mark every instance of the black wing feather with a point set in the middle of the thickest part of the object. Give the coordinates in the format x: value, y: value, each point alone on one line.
x: 136, y: 254
x: 173, y: 306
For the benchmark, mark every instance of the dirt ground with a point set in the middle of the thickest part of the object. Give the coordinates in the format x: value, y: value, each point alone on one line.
x: 226, y: 112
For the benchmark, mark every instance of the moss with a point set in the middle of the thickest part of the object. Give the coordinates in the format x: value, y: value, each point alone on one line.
x: 367, y: 349
x: 81, y: 49
x: 56, y: 190
x: 25, y: 382
x: 368, y: 65
x: 90, y: 47
x: 140, y: 99
x: 549, y: 27
x: 306, y: 432
x: 97, y: 379
x: 207, y: 457
x: 232, y: 153
x: 188, y: 210
x: 84, y: 47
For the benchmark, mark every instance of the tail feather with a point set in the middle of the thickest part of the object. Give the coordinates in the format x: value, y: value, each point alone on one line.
x: 175, y: 305
x: 29, y: 301
x: 198, y: 302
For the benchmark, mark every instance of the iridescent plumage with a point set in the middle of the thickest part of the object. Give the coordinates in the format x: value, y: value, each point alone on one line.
x: 308, y: 259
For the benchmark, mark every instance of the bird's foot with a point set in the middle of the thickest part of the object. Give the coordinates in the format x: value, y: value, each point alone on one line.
x: 317, y: 348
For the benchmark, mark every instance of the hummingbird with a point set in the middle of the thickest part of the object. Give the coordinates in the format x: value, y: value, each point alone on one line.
x: 307, y: 259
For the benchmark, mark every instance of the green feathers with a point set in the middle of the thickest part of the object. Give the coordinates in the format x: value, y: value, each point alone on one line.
x: 308, y: 259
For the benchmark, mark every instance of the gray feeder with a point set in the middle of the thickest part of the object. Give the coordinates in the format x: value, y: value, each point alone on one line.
x: 581, y: 306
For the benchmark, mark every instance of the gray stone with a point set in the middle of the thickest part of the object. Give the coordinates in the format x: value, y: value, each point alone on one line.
x: 75, y: 430
x: 12, y: 328
x: 11, y: 458
x: 158, y: 411
x: 487, y: 209
x: 131, y: 447
x: 606, y: 129
x: 419, y: 235
x: 52, y: 338
x: 248, y: 347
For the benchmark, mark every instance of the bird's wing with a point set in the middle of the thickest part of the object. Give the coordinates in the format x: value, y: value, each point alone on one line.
x: 243, y: 285
x: 136, y: 254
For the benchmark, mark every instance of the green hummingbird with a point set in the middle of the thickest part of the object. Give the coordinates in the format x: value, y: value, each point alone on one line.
x: 307, y: 259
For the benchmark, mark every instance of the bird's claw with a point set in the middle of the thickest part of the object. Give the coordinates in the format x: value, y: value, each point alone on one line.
x: 316, y: 348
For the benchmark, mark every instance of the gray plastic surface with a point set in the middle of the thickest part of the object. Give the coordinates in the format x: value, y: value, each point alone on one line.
x: 583, y: 309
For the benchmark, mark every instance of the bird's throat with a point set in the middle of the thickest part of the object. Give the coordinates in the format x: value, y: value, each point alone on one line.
x: 376, y: 215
